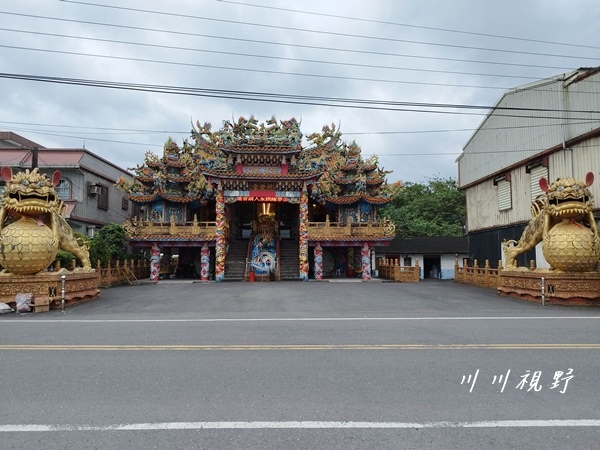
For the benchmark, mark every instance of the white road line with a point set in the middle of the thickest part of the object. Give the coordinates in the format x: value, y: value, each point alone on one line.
x: 298, y: 425
x: 14, y: 319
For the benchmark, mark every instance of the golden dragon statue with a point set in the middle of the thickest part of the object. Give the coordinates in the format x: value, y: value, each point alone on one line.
x: 563, y: 221
x: 32, y: 224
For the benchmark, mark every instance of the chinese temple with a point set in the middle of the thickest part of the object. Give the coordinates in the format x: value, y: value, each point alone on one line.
x: 249, y: 202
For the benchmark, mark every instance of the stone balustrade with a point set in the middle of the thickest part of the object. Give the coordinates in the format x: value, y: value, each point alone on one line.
x: 390, y: 269
x: 375, y: 230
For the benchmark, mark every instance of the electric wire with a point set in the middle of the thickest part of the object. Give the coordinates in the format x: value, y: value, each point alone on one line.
x: 406, y: 25
x: 251, y: 55
x: 304, y: 100
x: 294, y: 45
x: 531, y: 151
x: 328, y: 33
x: 246, y: 69
x: 130, y: 131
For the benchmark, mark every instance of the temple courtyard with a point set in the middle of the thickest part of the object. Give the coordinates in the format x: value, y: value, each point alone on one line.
x: 336, y: 365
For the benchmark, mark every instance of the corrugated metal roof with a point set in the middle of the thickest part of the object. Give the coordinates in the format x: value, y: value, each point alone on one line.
x: 47, y: 157
x: 10, y: 157
x: 56, y: 158
x: 542, y: 116
x: 10, y: 139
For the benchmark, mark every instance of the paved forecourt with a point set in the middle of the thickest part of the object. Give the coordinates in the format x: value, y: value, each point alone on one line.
x: 301, y: 365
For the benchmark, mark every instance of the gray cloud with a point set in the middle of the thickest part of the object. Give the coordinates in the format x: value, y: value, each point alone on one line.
x: 42, y: 112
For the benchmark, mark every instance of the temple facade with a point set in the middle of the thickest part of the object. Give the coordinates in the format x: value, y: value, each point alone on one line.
x: 249, y: 202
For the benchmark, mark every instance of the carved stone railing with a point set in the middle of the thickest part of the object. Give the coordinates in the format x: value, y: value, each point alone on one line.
x: 122, y: 272
x: 373, y: 230
x: 389, y: 269
x: 479, y: 276
x: 142, y: 228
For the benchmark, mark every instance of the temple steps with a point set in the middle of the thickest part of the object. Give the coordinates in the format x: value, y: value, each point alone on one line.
x: 235, y: 263
x: 288, y: 259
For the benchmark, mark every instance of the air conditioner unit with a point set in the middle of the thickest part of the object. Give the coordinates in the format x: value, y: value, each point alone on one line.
x: 94, y: 189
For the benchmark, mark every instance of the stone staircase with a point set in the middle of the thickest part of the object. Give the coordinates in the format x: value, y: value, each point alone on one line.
x: 235, y: 263
x: 288, y: 259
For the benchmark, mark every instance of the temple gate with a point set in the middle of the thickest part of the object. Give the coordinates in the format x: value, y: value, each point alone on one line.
x: 249, y: 202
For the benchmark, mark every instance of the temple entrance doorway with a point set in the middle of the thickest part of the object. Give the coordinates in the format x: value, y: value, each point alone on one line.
x: 264, y: 240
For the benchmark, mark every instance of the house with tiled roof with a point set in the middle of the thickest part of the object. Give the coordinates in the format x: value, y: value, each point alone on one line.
x: 87, y: 182
x: 249, y: 201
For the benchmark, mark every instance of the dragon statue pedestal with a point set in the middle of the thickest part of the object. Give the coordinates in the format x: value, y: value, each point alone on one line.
x: 47, y: 288
x: 560, y: 288
x: 564, y: 223
x: 32, y: 230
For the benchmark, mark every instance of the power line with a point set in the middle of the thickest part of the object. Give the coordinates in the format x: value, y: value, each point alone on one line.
x: 310, y: 47
x: 112, y: 141
x: 133, y: 130
x: 121, y: 131
x: 293, y: 99
x: 250, y: 55
x: 246, y: 69
x: 329, y: 33
x: 363, y: 153
x: 421, y: 27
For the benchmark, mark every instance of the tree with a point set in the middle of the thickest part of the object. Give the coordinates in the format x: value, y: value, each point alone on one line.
x: 437, y: 208
x: 110, y: 242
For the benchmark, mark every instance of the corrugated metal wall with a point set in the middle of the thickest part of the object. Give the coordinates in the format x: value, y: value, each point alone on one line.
x: 576, y: 163
x: 504, y: 141
x: 482, y: 202
x: 509, y: 136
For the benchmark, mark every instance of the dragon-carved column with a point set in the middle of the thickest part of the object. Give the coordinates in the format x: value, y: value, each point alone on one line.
x: 303, y: 250
x: 366, y: 262
x: 204, y: 262
x: 318, y: 262
x: 154, y: 262
x: 220, y: 250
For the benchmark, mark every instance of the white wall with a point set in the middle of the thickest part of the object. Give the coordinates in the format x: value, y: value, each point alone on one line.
x: 446, y: 261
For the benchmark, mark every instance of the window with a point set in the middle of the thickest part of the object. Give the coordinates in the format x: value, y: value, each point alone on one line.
x: 124, y: 204
x: 103, y: 197
x: 504, y: 195
x: 537, y: 173
x: 63, y: 189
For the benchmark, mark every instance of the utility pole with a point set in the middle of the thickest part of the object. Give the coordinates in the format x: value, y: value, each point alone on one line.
x: 34, y: 157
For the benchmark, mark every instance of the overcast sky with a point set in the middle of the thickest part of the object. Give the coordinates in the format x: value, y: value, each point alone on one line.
x: 465, y: 52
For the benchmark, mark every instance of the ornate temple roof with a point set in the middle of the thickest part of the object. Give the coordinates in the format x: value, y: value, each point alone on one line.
x: 247, y: 135
x: 348, y: 178
x: 353, y: 198
x: 246, y: 150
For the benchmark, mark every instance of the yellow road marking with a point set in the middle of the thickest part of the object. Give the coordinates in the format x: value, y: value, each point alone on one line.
x: 321, y: 347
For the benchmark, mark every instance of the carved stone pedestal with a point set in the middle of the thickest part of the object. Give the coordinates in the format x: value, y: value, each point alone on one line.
x: 560, y: 288
x: 47, y: 288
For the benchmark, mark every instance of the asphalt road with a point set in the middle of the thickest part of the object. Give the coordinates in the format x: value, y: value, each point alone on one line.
x: 336, y: 365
